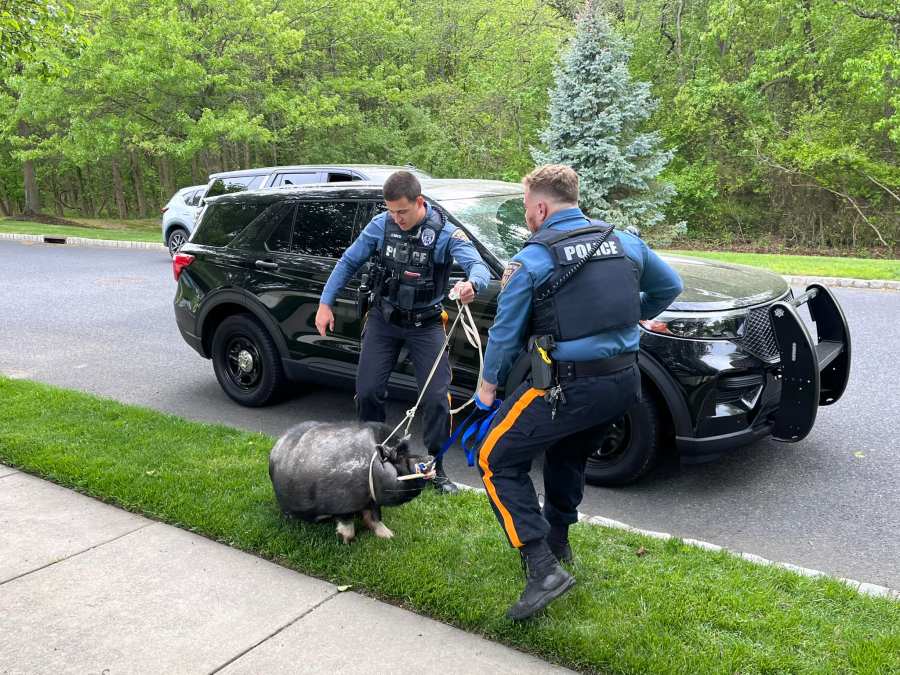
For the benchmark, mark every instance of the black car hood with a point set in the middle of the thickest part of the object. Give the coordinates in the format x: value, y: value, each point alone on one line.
x: 711, y: 286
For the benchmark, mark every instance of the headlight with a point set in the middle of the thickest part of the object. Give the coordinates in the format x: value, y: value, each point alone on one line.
x: 717, y: 326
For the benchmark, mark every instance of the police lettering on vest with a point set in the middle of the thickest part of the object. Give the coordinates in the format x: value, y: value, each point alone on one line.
x: 579, y: 251
x: 601, y: 296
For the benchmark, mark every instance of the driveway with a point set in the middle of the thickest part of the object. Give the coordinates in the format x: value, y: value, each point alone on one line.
x: 101, y: 321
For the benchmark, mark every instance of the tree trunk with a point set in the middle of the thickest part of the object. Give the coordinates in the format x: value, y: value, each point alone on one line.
x: 5, y: 209
x: 84, y: 198
x: 119, y: 190
x: 247, y: 164
x: 166, y: 178
x: 196, y: 175
x: 57, y: 197
x: 137, y: 176
x: 32, y: 192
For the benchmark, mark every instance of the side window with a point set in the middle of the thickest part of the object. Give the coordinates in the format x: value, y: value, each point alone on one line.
x: 194, y: 198
x: 296, y: 178
x: 280, y: 239
x: 323, y: 228
x: 255, y: 182
x: 221, y: 223
x: 224, y: 186
x: 339, y: 177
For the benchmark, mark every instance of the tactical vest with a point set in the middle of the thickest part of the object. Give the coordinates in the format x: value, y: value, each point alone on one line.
x: 412, y: 279
x: 603, y: 295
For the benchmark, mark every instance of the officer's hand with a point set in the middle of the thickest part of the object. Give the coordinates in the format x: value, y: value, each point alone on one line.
x: 465, y: 290
x: 487, y: 392
x: 324, y: 319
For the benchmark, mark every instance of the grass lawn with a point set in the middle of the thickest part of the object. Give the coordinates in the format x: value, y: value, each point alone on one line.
x: 808, y: 265
x: 137, y: 230
x: 675, y: 609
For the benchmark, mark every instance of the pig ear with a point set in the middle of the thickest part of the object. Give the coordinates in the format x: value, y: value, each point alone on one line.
x: 386, y: 453
x: 402, y: 448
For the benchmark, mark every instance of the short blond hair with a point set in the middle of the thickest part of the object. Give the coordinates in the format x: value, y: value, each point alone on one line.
x: 556, y: 181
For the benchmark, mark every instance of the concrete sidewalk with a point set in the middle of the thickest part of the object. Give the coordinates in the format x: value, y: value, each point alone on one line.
x: 89, y: 588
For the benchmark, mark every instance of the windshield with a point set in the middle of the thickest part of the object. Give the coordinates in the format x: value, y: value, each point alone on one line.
x: 497, y: 221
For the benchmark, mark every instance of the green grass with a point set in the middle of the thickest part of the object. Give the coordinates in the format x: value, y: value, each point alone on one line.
x: 140, y: 230
x: 676, y: 609
x: 808, y: 265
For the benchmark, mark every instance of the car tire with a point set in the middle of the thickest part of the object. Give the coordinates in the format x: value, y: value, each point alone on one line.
x: 625, y: 449
x: 176, y: 238
x: 246, y: 361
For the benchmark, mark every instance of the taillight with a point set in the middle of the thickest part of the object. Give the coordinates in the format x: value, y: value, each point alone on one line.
x: 164, y: 209
x: 179, y: 262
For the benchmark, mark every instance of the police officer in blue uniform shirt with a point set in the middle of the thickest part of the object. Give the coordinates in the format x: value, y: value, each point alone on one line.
x: 413, y: 247
x: 573, y: 297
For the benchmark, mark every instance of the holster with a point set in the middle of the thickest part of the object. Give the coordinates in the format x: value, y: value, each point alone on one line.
x: 363, y: 297
x: 542, y: 371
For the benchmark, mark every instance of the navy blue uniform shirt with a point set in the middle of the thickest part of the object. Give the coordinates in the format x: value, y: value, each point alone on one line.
x: 452, y: 244
x: 533, y: 265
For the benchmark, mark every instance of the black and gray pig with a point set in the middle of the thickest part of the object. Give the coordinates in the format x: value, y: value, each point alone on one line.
x: 321, y: 470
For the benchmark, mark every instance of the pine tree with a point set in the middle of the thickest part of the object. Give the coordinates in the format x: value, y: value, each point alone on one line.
x: 596, y: 113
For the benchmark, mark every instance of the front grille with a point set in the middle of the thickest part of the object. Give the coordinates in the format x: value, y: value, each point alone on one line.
x: 759, y: 338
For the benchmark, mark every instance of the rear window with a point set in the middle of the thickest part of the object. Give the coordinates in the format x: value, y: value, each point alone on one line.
x: 223, y: 222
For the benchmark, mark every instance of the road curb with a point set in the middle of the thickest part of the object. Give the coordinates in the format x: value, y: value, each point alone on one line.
x: 60, y: 240
x: 859, y: 586
x: 843, y: 282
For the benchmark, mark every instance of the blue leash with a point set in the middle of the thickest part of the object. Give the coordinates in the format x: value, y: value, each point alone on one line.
x: 472, y: 431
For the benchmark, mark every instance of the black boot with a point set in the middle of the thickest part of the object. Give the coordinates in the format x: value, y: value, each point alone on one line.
x: 545, y: 581
x: 442, y: 483
x: 558, y: 541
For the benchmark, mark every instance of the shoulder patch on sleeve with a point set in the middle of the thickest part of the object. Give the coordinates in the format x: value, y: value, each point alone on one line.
x: 511, y: 268
x: 458, y: 233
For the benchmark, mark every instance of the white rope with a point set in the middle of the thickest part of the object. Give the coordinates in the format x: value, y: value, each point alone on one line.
x: 474, y: 338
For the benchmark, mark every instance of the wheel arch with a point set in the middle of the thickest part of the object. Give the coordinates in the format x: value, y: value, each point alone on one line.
x: 653, y: 376
x: 223, y: 304
x: 175, y: 224
x: 672, y: 403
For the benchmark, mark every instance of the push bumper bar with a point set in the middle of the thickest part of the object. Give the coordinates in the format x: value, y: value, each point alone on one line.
x: 812, y: 373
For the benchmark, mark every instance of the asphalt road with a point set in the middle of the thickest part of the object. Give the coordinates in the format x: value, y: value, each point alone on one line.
x: 101, y: 321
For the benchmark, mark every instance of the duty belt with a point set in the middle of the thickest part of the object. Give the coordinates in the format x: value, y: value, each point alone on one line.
x: 568, y: 370
x: 411, y: 318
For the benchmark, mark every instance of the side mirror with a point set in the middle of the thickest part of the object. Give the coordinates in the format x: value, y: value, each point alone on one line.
x: 631, y: 229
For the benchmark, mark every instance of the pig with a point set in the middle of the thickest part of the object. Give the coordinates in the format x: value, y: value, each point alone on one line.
x: 321, y: 470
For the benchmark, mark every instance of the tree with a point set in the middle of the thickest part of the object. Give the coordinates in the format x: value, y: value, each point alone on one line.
x: 597, y: 113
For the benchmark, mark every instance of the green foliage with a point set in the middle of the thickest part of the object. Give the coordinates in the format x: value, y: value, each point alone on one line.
x: 783, y: 115
x: 787, y: 110
x: 596, y: 118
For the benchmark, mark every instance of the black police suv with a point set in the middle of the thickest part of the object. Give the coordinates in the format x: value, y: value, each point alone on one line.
x: 729, y: 362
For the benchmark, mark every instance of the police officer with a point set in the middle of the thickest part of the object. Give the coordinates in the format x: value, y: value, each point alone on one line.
x: 414, y: 248
x: 573, y: 295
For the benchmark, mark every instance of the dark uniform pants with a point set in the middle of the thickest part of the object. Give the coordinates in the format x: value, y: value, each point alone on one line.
x: 523, y: 429
x: 381, y: 345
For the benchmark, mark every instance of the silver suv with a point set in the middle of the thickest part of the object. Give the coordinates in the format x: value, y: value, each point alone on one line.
x: 179, y: 216
x: 303, y: 174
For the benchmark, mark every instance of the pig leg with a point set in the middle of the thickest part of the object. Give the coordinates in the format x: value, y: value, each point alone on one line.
x: 346, y: 529
x: 372, y: 520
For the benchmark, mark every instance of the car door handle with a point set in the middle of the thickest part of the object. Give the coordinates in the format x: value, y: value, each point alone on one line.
x: 266, y: 265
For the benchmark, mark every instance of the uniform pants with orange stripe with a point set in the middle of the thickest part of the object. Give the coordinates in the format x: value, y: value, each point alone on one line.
x: 524, y: 430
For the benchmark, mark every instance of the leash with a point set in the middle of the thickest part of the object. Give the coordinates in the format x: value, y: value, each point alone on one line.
x: 427, y: 471
x: 464, y: 317
x: 472, y: 431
